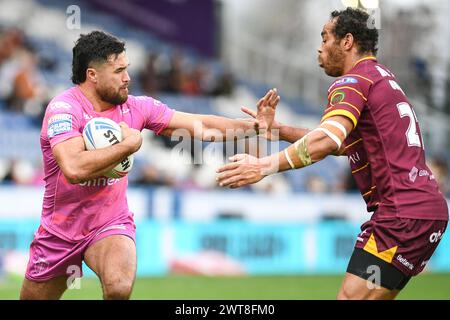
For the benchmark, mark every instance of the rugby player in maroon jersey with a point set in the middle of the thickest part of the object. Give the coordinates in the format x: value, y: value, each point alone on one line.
x: 369, y: 119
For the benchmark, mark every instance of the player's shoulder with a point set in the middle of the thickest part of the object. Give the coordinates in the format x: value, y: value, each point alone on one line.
x: 134, y: 99
x: 65, y: 102
x: 139, y: 102
x: 361, y: 77
x: 344, y: 81
x: 373, y: 71
x: 351, y: 81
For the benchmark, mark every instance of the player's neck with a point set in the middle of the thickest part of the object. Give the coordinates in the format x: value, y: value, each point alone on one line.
x: 98, y: 104
x: 353, y: 60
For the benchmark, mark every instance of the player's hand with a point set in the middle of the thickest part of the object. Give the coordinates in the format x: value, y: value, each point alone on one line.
x: 243, y: 170
x: 132, y: 138
x: 265, y: 115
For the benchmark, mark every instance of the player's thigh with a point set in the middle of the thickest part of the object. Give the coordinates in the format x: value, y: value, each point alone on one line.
x: 355, y: 288
x: 52, y: 289
x: 370, y: 277
x: 113, y: 259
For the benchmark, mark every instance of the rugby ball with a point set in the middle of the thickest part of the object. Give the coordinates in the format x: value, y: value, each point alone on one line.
x: 100, y: 133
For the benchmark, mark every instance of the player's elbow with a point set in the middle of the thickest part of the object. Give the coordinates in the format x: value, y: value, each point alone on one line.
x: 73, y: 178
x: 72, y: 174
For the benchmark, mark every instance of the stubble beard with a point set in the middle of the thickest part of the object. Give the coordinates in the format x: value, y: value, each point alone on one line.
x: 335, y: 61
x: 112, y: 97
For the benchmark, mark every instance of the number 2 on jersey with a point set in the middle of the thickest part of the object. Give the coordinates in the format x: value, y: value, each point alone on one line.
x: 412, y: 136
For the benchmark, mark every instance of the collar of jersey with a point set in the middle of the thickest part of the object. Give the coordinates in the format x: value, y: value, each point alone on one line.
x: 364, y: 59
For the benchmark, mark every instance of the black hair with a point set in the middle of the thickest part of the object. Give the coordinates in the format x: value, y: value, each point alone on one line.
x: 96, y: 46
x: 357, y: 23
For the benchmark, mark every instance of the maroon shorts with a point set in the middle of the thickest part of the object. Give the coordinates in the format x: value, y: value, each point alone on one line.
x: 51, y: 256
x: 405, y: 243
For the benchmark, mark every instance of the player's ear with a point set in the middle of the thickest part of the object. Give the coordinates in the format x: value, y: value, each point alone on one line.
x: 348, y: 41
x: 91, y: 74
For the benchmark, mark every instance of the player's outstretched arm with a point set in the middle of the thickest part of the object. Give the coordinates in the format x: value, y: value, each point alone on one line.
x: 216, y: 128
x: 278, y: 131
x: 79, y: 165
x: 313, y: 147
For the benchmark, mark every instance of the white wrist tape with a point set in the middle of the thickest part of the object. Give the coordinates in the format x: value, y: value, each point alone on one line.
x: 286, y: 154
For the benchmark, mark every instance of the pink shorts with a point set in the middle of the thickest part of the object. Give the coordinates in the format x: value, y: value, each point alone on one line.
x: 51, y: 256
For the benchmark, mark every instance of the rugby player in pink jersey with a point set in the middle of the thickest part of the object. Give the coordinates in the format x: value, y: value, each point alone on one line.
x: 369, y: 119
x: 85, y: 216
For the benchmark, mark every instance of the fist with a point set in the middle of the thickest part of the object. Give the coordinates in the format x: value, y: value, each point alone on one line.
x: 131, y: 137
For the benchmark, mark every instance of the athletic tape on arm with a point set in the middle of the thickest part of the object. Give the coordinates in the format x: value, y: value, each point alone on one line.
x: 302, y: 151
x: 337, y: 125
x: 331, y: 135
x: 288, y: 158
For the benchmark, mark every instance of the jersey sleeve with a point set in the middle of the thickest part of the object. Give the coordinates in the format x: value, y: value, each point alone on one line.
x: 62, y: 122
x: 346, y: 97
x: 156, y: 114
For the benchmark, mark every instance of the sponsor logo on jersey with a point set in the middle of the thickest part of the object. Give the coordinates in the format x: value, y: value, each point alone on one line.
x: 345, y: 81
x: 413, y: 174
x: 354, y: 158
x: 100, y: 182
x: 405, y: 262
x: 59, y: 105
x: 155, y: 102
x: 40, y: 266
x: 87, y: 117
x: 423, y: 173
x: 59, y: 123
x: 436, y: 236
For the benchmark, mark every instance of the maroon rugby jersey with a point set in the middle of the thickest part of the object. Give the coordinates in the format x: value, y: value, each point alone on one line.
x: 385, y: 149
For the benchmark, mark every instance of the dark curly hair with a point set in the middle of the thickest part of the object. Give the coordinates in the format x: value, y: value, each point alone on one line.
x: 356, y: 22
x: 96, y: 46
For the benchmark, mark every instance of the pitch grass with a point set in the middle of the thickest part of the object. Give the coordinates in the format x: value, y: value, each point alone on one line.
x: 426, y: 286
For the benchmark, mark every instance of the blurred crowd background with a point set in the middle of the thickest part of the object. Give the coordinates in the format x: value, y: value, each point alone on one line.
x: 246, y: 49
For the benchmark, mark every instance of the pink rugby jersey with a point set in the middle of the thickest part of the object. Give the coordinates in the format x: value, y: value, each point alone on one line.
x: 74, y: 211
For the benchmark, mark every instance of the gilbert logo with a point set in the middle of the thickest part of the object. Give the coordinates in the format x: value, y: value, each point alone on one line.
x: 413, y: 174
